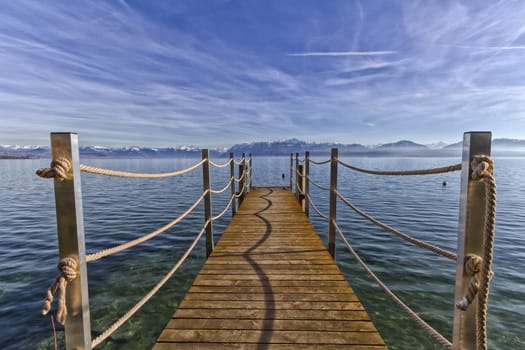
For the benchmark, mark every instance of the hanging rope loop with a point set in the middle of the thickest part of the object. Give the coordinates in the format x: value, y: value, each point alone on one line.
x: 60, y: 168
x: 68, y: 271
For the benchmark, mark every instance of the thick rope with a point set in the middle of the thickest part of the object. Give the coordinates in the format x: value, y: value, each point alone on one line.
x: 241, y: 177
x: 107, y: 172
x: 317, y: 185
x: 441, y: 170
x: 472, y: 268
x: 241, y: 191
x: 240, y: 161
x: 218, y: 216
x: 224, y: 188
x: 68, y: 270
x: 415, y: 241
x: 483, y: 169
x: 119, y: 248
x: 216, y: 165
x: 435, y: 334
x: 316, y: 209
x: 60, y: 168
x: 150, y: 294
x: 320, y: 163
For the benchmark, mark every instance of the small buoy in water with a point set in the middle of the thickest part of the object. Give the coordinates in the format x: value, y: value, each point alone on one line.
x: 444, y: 183
x: 283, y: 175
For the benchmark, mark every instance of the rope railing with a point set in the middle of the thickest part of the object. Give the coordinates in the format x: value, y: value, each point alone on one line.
x: 222, y: 189
x: 415, y: 241
x: 317, y: 209
x: 320, y: 163
x: 108, y: 172
x: 441, y: 170
x: 217, y: 165
x: 435, y: 334
x: 317, y: 185
x: 240, y: 161
x: 218, y: 216
x: 121, y: 247
x: 241, y: 178
x: 240, y: 193
x: 73, y: 262
x: 473, y: 259
x: 61, y: 167
x: 150, y: 294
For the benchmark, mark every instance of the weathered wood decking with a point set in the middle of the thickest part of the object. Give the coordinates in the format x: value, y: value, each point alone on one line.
x: 270, y: 284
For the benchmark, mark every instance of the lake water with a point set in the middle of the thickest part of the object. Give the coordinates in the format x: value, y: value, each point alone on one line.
x: 118, y: 209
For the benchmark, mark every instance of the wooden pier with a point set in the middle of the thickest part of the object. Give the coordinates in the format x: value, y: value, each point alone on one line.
x: 270, y: 283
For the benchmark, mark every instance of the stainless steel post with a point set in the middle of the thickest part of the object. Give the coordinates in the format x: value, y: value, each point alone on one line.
x: 250, y: 167
x: 232, y: 184
x: 306, y: 183
x: 297, y: 176
x: 71, y: 242
x: 333, y: 202
x: 244, y: 182
x: 470, y: 236
x: 300, y: 185
x: 207, y: 202
x: 291, y: 171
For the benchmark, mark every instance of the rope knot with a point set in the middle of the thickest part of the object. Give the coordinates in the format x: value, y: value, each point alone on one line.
x: 482, y: 166
x: 60, y: 168
x: 68, y: 268
x: 68, y: 271
x: 473, y: 265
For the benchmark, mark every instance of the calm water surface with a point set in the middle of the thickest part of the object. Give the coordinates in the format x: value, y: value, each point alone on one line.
x: 117, y: 210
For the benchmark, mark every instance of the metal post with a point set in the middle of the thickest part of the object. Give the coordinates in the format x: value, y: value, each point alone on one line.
x: 333, y: 202
x: 306, y: 183
x: 232, y: 184
x: 300, y: 185
x: 251, y: 170
x: 291, y: 171
x: 243, y: 182
x: 207, y: 202
x: 470, y: 236
x: 296, y: 176
x: 71, y: 242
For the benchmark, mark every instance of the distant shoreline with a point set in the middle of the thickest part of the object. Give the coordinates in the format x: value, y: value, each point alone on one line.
x: 9, y: 156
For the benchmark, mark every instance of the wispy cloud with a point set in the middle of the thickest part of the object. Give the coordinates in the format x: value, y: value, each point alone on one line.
x: 119, y: 74
x: 343, y: 53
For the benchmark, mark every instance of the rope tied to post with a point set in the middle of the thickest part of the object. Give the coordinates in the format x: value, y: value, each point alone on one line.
x: 68, y: 271
x: 482, y: 167
x: 472, y: 268
x: 480, y: 267
x: 60, y: 168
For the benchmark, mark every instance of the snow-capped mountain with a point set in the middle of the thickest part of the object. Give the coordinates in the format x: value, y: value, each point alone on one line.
x: 272, y: 148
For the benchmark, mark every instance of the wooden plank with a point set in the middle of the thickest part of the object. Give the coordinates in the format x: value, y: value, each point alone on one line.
x: 271, y: 304
x: 347, y: 297
x: 257, y: 346
x: 333, y: 315
x: 270, y: 284
x: 272, y: 336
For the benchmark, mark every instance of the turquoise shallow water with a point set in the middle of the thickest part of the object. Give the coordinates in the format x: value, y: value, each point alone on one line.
x: 117, y: 210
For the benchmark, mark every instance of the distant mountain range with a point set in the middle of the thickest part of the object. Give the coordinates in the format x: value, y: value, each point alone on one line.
x: 402, y: 148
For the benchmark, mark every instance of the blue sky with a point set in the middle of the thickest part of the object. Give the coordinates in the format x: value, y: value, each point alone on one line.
x: 217, y: 72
